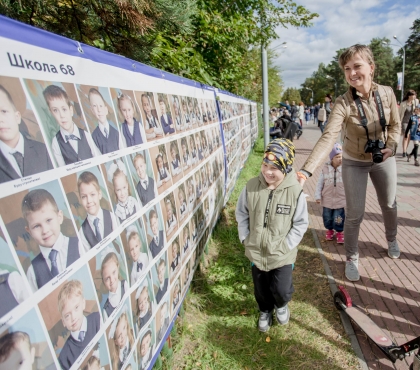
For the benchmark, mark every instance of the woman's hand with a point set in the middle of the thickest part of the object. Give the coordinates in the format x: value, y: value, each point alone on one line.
x: 387, y: 153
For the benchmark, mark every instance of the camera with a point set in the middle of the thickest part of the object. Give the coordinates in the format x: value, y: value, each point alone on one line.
x: 374, y: 147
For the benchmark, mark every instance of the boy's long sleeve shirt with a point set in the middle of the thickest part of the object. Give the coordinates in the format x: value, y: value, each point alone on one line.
x: 300, y: 220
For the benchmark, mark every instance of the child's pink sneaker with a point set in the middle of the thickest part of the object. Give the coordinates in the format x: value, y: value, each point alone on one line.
x: 340, y: 237
x: 329, y: 235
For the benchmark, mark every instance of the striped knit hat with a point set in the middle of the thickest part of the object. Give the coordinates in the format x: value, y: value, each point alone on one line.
x: 281, y: 154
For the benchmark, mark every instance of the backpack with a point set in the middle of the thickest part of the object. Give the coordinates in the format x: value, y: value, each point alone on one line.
x: 322, y: 114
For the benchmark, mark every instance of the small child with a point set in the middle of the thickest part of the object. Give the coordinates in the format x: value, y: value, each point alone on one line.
x: 194, y: 156
x: 110, y: 273
x: 176, y: 295
x: 171, y: 221
x: 71, y: 144
x: 19, y: 155
x: 186, y: 236
x: 163, y: 173
x: 152, y: 125
x: 176, y: 256
x: 413, y: 128
x: 194, y: 233
x: 130, y: 127
x: 191, y: 195
x: 123, y: 341
x: 146, y: 350
x: 71, y: 305
x: 272, y: 218
x: 43, y: 222
x: 139, y: 258
x: 179, y: 121
x: 176, y: 162
x: 126, y: 204
x: 16, y: 351
x: 12, y: 290
x: 157, y: 242
x: 165, y: 118
x: 146, y: 185
x: 163, y: 281
x: 164, y: 321
x: 185, y: 154
x: 144, y: 307
x: 182, y: 204
x: 330, y: 193
x: 99, y: 222
x: 106, y: 137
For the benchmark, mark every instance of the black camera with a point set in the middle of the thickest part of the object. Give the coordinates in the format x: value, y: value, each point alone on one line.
x: 375, y: 147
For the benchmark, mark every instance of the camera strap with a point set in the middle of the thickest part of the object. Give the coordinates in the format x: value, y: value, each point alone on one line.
x: 360, y: 109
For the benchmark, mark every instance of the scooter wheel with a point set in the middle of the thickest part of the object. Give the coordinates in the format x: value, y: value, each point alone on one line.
x: 339, y: 296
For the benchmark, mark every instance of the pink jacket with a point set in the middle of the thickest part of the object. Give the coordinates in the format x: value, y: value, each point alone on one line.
x: 330, y: 188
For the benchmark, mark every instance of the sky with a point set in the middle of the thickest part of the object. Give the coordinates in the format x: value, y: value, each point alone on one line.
x: 340, y: 24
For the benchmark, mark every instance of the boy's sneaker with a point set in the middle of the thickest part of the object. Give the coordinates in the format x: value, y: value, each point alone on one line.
x: 265, y: 321
x: 351, y: 271
x: 282, y: 315
x: 329, y: 235
x: 393, y: 249
x: 340, y: 237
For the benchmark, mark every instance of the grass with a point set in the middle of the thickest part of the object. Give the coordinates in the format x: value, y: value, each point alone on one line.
x: 218, y: 327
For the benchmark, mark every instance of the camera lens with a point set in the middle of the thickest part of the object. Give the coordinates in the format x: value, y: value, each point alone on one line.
x: 377, y: 156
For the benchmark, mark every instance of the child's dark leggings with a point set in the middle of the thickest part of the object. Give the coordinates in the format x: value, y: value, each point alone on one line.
x: 415, y: 151
x: 272, y: 288
x: 333, y: 218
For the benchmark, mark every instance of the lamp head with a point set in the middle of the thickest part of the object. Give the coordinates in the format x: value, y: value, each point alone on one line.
x: 395, y: 37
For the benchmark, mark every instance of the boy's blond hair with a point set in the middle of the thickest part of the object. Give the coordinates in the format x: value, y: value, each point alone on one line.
x: 9, y: 341
x: 88, y: 178
x: 137, y: 157
x: 70, y: 288
x: 52, y: 92
x: 132, y: 235
x: 35, y: 200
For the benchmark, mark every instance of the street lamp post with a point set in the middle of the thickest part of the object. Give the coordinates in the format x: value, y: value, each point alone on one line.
x: 335, y: 85
x: 264, y: 72
x: 403, y: 71
x: 312, y: 99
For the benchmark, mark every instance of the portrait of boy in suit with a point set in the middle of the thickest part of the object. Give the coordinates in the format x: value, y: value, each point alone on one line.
x: 155, y: 232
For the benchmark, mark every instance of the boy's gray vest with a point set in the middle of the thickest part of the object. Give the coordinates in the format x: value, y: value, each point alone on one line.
x: 42, y: 272
x: 109, y: 144
x: 146, y: 195
x: 69, y: 154
x: 266, y: 245
x: 90, y: 235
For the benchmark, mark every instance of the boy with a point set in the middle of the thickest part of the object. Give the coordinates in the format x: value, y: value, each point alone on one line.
x: 16, y: 351
x: 272, y: 219
x: 99, y: 222
x: 163, y: 282
x: 146, y: 185
x: 146, y: 350
x: 71, y: 143
x: 43, y: 222
x: 139, y: 258
x: 165, y: 118
x: 71, y: 304
x: 164, y: 321
x: 106, y: 137
x: 19, y: 156
x: 156, y: 244
x: 171, y: 222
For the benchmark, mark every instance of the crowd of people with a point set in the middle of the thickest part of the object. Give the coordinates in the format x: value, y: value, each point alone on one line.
x: 271, y: 212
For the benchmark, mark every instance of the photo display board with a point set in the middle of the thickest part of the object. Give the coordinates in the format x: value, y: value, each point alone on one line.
x: 113, y: 175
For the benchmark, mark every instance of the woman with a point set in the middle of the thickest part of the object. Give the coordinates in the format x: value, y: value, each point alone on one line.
x: 406, y: 111
x: 301, y: 113
x: 358, y: 66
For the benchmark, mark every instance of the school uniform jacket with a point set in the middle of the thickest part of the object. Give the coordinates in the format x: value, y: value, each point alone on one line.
x: 156, y: 248
x: 161, y: 291
x: 106, y: 144
x: 166, y: 125
x: 8, y: 300
x: 90, y: 234
x: 69, y: 154
x: 35, y: 160
x: 146, y: 195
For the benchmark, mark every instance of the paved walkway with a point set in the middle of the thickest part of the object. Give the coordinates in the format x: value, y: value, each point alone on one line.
x: 388, y: 289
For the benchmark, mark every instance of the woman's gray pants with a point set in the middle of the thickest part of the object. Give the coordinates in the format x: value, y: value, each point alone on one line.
x: 355, y: 178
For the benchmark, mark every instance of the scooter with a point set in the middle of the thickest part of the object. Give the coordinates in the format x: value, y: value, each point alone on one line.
x: 394, y: 352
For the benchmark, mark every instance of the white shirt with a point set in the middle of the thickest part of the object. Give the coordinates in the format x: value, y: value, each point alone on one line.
x: 16, y: 285
x: 121, y: 353
x: 62, y: 247
x: 167, y: 178
x: 74, y: 144
x: 171, y: 224
x: 7, y: 152
x: 136, y: 275
x: 115, y: 298
x: 191, y: 202
x: 120, y: 209
x: 75, y: 334
x: 101, y: 225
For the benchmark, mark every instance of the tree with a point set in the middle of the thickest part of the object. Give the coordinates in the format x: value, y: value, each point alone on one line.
x: 291, y: 94
x: 384, y: 61
x: 412, y: 61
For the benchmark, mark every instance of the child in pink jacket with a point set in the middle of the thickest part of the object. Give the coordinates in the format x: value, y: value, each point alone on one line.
x: 330, y: 193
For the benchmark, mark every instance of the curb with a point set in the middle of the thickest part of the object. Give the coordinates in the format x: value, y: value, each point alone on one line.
x: 344, y: 318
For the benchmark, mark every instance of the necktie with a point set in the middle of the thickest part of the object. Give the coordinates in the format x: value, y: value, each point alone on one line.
x: 139, y: 266
x: 125, y: 350
x: 53, y: 258
x: 106, y: 132
x: 145, y: 184
x: 157, y: 240
x: 19, y: 160
x: 97, y: 232
x: 82, y: 336
x: 71, y: 137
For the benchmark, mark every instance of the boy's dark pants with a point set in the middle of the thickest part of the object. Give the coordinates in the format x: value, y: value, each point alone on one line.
x: 333, y: 218
x: 272, y: 288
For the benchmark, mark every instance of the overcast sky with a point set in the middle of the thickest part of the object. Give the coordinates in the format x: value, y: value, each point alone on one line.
x: 340, y: 24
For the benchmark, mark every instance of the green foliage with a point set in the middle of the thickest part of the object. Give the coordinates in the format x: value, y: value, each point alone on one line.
x: 292, y: 94
x: 412, y: 62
